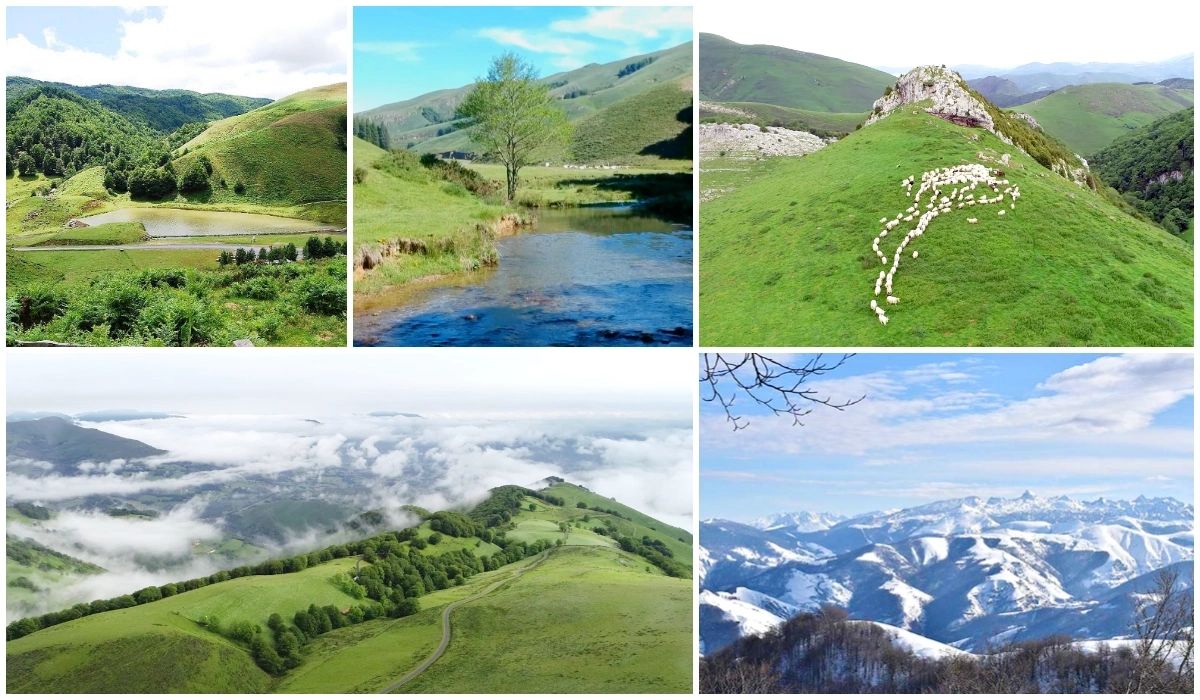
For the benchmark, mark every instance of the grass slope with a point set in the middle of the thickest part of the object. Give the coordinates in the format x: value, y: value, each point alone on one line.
x: 733, y: 72
x: 291, y: 151
x: 159, y: 647
x: 1090, y: 117
x: 589, y: 619
x: 786, y: 259
x: 654, y: 123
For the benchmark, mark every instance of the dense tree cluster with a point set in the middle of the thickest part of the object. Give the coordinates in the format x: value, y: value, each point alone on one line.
x: 32, y: 510
x: 630, y: 68
x: 656, y: 552
x: 372, y: 131
x: 59, y: 133
x: 501, y: 505
x: 1153, y: 168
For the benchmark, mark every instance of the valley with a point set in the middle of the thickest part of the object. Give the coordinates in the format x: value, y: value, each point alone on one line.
x: 453, y: 249
x: 103, y: 181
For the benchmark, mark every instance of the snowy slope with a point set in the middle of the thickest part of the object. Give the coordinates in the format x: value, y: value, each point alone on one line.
x: 972, y: 571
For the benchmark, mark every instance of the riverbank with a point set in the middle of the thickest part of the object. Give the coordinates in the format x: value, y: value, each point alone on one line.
x: 444, y: 229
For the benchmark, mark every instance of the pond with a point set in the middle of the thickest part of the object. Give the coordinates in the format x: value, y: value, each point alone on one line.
x: 161, y: 222
x: 586, y: 276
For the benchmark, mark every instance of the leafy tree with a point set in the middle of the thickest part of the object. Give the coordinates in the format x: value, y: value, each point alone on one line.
x: 26, y: 165
x: 512, y: 116
x: 195, y: 179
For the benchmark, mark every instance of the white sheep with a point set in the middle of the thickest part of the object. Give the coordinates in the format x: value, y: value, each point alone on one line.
x: 893, y: 300
x: 972, y: 221
x: 915, y: 253
x: 1000, y: 213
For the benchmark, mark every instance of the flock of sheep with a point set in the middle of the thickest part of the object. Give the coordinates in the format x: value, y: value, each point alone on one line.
x: 963, y: 179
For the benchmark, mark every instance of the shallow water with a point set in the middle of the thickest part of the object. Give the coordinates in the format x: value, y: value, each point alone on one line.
x: 173, y: 223
x: 588, y: 276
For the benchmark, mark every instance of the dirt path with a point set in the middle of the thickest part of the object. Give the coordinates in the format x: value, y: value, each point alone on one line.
x: 442, y: 645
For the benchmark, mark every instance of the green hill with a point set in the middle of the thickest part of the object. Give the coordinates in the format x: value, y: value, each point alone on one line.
x: 786, y: 257
x: 292, y: 151
x: 733, y: 72
x: 1153, y: 167
x: 592, y: 614
x: 1089, y: 117
x: 654, y: 123
x: 161, y: 110
x: 426, y: 123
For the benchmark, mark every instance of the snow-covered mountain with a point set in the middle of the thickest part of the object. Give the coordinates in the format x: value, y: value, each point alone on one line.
x: 798, y: 521
x: 968, y: 572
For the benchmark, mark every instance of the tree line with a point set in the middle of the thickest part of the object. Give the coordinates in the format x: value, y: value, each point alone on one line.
x: 373, y: 132
x: 314, y: 249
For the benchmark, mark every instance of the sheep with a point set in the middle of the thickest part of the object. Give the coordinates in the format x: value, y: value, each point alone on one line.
x: 893, y: 300
x: 883, y: 219
x: 915, y: 254
x: 972, y: 221
x: 1000, y: 213
x: 874, y: 305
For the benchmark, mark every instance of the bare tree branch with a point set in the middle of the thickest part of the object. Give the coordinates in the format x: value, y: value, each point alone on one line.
x: 769, y: 382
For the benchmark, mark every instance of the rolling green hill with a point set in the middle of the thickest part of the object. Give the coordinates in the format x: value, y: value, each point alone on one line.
x: 1154, y: 167
x: 733, y: 72
x: 426, y: 123
x: 1090, y: 117
x: 786, y: 255
x: 161, y: 110
x: 290, y: 151
x: 592, y: 614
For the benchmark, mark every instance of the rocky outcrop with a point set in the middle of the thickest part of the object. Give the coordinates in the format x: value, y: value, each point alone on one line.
x: 751, y: 141
x: 1028, y: 119
x: 943, y: 89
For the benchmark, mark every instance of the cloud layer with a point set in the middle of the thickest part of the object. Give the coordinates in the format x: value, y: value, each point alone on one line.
x: 260, y: 52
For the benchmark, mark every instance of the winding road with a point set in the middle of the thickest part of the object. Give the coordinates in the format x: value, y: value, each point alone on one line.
x: 441, y: 647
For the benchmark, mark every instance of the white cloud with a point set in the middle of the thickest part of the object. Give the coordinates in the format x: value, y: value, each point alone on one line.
x: 1110, y: 401
x: 537, y: 42
x: 623, y: 23
x: 261, y: 53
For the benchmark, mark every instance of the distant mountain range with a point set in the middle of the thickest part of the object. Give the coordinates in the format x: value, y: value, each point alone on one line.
x: 968, y: 572
x: 1031, y: 77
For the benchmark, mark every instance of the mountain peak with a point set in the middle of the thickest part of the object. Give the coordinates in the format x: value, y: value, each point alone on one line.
x: 1027, y: 496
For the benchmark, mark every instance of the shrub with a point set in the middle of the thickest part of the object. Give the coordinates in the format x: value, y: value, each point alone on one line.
x: 195, y: 179
x: 321, y: 295
x: 37, y: 304
x: 239, y: 187
x: 360, y: 176
x: 178, y: 320
x: 260, y: 287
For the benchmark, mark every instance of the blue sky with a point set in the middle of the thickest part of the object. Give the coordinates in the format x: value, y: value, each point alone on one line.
x: 403, y: 52
x: 947, y: 426
x: 264, y: 53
